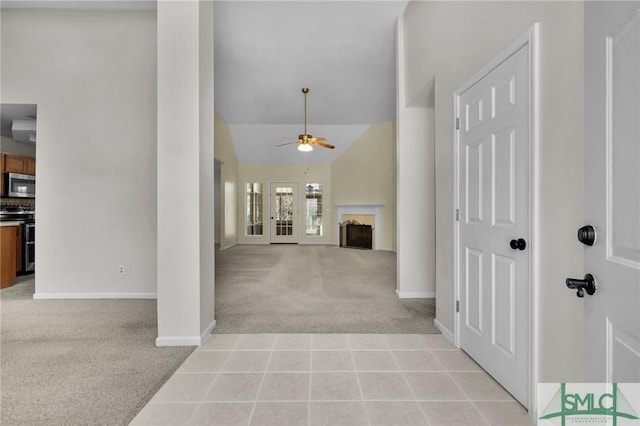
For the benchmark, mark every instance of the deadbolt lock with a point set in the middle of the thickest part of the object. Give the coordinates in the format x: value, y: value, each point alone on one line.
x: 587, y: 235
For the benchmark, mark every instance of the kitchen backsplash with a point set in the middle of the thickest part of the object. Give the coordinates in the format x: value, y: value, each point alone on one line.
x: 24, y: 202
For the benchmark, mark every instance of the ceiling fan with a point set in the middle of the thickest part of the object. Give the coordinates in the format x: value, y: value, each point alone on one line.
x: 305, y: 140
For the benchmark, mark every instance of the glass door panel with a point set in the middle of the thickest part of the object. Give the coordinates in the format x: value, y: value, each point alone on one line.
x: 284, y: 212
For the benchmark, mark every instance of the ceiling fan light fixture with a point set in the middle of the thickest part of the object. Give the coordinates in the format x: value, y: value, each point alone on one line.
x: 305, y: 140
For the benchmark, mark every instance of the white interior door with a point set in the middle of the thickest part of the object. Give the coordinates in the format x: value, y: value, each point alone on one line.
x: 284, y: 212
x: 612, y: 190
x: 494, y: 221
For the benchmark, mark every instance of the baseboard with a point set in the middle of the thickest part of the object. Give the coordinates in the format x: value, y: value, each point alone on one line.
x: 187, y: 340
x: 207, y: 332
x: 43, y: 296
x: 178, y: 341
x: 415, y: 295
x: 444, y: 330
x: 228, y: 247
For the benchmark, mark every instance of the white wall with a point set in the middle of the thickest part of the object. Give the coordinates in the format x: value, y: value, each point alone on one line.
x: 93, y: 76
x: 366, y: 174
x: 185, y: 173
x: 225, y: 155
x: 415, y: 191
x: 217, y: 202
x: 446, y: 43
x: 15, y: 147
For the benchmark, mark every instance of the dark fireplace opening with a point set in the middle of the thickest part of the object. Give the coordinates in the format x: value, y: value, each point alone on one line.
x: 355, y: 235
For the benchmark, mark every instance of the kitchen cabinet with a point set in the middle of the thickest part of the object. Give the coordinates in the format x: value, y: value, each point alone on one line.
x: 31, y: 166
x: 8, y: 239
x: 15, y: 163
x: 18, y: 164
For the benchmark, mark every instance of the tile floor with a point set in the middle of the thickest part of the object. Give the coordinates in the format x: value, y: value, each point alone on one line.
x: 330, y: 379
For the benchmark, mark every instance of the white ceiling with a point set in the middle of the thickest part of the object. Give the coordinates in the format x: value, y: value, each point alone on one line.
x: 80, y: 4
x: 18, y: 121
x: 266, y: 51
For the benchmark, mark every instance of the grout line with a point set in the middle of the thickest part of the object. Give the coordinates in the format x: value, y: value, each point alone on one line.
x: 235, y: 345
x: 178, y: 372
x: 458, y: 386
x: 366, y: 410
x: 234, y: 350
x: 209, y: 389
x: 249, y: 401
x: 473, y: 404
x: 415, y: 398
x: 194, y: 413
x: 310, y: 385
x: 255, y: 402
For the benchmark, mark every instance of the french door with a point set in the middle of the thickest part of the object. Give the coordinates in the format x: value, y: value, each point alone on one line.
x: 284, y: 212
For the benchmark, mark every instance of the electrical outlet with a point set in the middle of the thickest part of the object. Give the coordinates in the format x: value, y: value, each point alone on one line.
x: 121, y: 269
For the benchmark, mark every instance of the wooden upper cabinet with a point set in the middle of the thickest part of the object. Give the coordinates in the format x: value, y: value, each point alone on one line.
x: 18, y: 164
x: 31, y: 166
x: 15, y: 163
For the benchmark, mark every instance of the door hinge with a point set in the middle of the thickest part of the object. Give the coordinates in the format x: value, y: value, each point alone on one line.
x: 457, y: 123
x: 457, y: 215
x: 457, y: 306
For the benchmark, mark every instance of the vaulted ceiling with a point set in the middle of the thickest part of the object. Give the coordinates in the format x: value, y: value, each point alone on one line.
x: 266, y: 51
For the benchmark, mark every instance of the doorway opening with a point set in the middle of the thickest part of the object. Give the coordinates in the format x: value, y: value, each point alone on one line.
x: 17, y: 197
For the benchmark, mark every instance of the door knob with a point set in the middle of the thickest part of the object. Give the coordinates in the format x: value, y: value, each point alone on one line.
x: 588, y: 283
x: 518, y: 244
x: 587, y: 235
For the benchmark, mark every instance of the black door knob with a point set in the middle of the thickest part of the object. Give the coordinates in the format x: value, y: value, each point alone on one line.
x: 518, y: 244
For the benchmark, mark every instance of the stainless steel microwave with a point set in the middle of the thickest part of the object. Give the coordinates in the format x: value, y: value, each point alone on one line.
x: 19, y: 185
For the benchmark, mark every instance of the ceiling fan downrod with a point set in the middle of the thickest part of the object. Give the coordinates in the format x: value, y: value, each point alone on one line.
x: 305, y: 90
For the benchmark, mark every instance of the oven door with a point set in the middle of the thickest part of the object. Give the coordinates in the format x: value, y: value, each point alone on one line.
x: 29, y: 247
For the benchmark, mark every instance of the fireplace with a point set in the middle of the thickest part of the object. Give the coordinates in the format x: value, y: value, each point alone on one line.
x: 356, y: 235
x: 358, y: 212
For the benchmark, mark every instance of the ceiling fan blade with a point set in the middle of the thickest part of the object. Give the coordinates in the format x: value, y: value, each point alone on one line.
x: 316, y: 141
x: 288, y: 143
x: 305, y: 140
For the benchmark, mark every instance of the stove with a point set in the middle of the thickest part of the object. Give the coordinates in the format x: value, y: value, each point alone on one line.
x: 11, y: 213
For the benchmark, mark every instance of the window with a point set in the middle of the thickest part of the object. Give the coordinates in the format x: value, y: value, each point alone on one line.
x: 254, y: 209
x: 313, y: 196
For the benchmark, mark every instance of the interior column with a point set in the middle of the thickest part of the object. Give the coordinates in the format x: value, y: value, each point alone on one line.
x: 185, y: 162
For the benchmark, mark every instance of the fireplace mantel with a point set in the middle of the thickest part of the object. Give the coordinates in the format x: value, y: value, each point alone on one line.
x: 372, y: 209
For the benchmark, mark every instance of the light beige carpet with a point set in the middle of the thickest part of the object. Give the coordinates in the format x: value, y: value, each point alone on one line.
x: 78, y: 362
x: 313, y: 289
